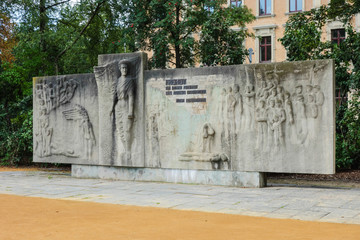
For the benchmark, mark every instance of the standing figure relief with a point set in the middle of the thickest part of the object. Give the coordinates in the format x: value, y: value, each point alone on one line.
x: 277, y: 122
x: 300, y: 114
x: 123, y: 107
x: 261, y: 119
x: 250, y: 105
x: 230, y: 107
x: 288, y: 108
x: 238, y: 107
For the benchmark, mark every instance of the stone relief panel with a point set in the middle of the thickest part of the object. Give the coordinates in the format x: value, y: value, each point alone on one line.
x: 63, y: 127
x: 119, y: 80
x: 49, y: 95
x: 260, y: 117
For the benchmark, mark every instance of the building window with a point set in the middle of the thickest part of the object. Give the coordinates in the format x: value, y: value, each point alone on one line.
x: 337, y: 36
x: 236, y: 3
x: 265, y: 7
x: 296, y: 5
x: 265, y: 49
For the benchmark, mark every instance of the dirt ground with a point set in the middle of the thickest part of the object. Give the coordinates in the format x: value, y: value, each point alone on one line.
x: 32, y: 218
x: 342, y: 179
x: 38, y: 218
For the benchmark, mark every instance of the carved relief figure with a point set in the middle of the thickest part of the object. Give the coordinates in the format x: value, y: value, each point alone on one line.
x: 300, y: 114
x: 280, y: 93
x: 79, y: 114
x: 272, y: 96
x: 208, y: 137
x: 261, y: 119
x: 45, y: 134
x: 271, y: 115
x: 123, y: 107
x: 311, y: 108
x: 222, y: 116
x: 277, y: 122
x: 230, y: 107
x: 154, y: 139
x: 238, y: 107
x: 308, y: 93
x: 250, y: 105
x: 261, y: 90
x: 288, y: 108
x: 319, y: 97
x: 264, y: 97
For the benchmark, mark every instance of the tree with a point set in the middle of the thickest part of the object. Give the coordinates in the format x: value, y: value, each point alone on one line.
x: 302, y: 40
x: 53, y: 37
x: 172, y: 30
x: 218, y: 43
x: 7, y: 39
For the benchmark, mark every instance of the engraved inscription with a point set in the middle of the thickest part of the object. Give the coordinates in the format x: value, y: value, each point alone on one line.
x: 176, y: 82
x: 191, y: 87
x: 196, y: 92
x: 179, y: 92
x: 177, y: 88
x: 192, y: 100
x: 174, y: 87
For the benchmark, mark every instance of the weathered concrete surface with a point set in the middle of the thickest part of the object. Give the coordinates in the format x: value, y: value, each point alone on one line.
x: 121, y: 109
x: 313, y: 204
x: 66, y: 120
x: 256, y: 118
x: 275, y: 117
x: 222, y: 178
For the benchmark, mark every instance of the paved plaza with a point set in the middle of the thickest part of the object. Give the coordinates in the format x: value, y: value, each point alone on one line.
x: 314, y: 204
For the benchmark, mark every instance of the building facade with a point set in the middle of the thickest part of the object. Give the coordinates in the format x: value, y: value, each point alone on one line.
x: 271, y: 16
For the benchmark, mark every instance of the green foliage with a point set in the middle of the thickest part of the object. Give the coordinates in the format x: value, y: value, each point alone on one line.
x: 52, y: 37
x: 302, y: 40
x: 16, y: 131
x: 218, y: 44
x: 348, y: 138
x: 170, y: 29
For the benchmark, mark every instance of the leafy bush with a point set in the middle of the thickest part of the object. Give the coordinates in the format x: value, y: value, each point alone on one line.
x: 16, y: 133
x: 348, y: 135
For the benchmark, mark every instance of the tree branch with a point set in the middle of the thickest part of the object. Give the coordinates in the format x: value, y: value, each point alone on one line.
x: 55, y: 4
x: 97, y: 9
x: 187, y: 34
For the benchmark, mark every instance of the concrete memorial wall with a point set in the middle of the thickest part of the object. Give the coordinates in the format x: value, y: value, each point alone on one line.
x: 214, y: 125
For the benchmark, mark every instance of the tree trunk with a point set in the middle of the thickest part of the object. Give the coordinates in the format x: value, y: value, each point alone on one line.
x: 177, y: 44
x: 42, y: 25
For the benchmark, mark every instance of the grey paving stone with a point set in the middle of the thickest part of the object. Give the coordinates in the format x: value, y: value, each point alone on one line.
x: 313, y: 204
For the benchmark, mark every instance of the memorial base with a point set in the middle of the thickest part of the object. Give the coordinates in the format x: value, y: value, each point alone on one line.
x: 220, y: 178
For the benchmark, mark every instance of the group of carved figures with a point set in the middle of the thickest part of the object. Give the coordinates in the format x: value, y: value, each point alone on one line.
x: 270, y: 107
x: 49, y: 96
